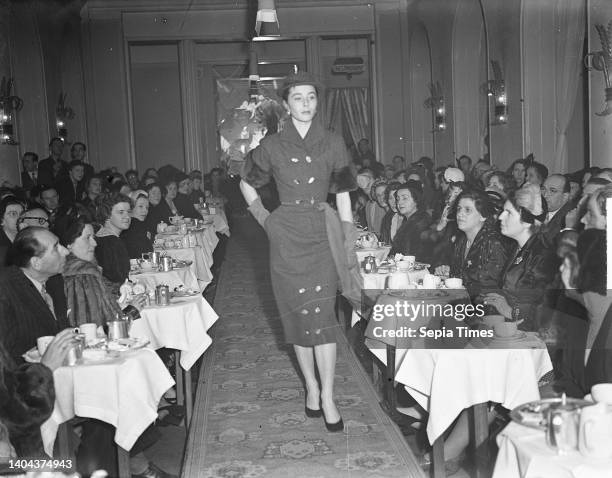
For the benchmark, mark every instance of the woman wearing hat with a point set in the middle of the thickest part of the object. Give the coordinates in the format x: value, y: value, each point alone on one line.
x: 307, y: 162
x: 532, y: 264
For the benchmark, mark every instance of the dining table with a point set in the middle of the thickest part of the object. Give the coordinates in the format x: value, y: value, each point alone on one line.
x: 472, y: 370
x: 177, y: 277
x: 523, y: 453
x: 181, y: 325
x: 123, y: 390
x: 200, y: 255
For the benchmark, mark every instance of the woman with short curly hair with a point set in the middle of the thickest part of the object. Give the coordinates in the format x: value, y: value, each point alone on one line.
x: 113, y: 213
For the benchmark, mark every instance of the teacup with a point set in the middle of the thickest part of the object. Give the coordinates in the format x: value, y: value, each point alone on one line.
x: 430, y: 281
x: 602, y: 393
x: 89, y: 330
x: 42, y: 343
x: 454, y: 283
x: 492, y: 320
x: 146, y: 265
x: 505, y: 329
x: 410, y: 260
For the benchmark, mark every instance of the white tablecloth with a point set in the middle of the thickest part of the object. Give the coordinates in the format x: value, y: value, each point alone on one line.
x: 182, y: 325
x: 124, y: 392
x: 201, y: 255
x: 220, y: 222
x: 174, y: 278
x: 523, y: 453
x: 445, y: 382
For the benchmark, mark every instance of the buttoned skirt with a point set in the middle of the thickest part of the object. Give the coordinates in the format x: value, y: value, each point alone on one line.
x: 303, y: 274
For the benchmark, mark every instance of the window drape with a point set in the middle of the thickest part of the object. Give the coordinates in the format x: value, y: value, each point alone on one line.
x: 347, y: 111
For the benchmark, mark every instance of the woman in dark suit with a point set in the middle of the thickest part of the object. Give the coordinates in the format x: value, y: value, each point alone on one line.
x: 408, y: 240
x: 479, y: 250
x: 532, y: 265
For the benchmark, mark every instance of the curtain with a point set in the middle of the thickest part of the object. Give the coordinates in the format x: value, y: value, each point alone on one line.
x: 347, y: 108
x: 569, y: 22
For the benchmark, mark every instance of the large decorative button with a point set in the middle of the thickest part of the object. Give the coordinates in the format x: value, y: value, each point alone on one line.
x: 311, y: 180
x: 295, y: 160
x: 296, y: 181
x: 318, y: 288
x: 297, y: 201
x: 307, y: 332
x: 302, y: 290
x: 318, y: 331
x: 304, y: 312
x: 308, y: 159
x: 312, y: 200
x: 317, y: 310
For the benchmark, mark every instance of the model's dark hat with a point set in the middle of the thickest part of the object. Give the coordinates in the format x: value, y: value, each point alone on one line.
x: 300, y: 78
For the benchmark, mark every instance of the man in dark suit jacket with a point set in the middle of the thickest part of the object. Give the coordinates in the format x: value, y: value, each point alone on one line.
x: 29, y: 175
x: 31, y: 303
x: 53, y: 167
x: 556, y: 192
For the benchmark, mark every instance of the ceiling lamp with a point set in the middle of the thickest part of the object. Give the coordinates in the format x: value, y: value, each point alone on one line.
x: 268, y: 19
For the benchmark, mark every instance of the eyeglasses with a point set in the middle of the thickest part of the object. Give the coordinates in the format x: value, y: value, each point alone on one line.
x: 41, y: 220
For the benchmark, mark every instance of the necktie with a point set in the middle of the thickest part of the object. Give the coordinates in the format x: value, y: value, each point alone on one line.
x: 34, y: 176
x: 47, y: 298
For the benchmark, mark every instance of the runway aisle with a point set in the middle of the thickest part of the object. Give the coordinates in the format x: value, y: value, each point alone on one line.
x: 249, y: 410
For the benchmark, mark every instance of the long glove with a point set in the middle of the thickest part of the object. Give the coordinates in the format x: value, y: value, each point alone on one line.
x: 259, y: 212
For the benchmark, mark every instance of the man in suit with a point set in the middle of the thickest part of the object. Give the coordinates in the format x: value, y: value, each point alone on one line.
x: 556, y: 192
x: 29, y: 175
x: 31, y: 303
x: 53, y: 167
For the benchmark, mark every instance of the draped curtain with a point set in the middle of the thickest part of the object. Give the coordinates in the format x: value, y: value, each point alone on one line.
x: 569, y: 20
x: 347, y: 112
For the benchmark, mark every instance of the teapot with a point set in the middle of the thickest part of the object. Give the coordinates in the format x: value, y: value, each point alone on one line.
x: 162, y: 227
x: 368, y: 241
x: 398, y: 280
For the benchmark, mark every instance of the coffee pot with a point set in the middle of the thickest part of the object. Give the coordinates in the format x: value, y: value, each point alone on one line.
x: 595, y: 437
x: 119, y: 328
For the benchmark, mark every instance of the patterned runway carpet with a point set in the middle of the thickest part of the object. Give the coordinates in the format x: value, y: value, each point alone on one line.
x: 249, y: 410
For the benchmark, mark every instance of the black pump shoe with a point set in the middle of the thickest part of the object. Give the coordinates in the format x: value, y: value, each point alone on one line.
x: 311, y: 413
x: 334, y: 427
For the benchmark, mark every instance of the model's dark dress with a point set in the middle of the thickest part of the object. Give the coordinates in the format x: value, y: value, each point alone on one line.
x: 304, y: 278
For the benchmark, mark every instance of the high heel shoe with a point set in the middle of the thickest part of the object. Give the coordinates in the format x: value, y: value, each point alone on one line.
x: 311, y: 413
x: 334, y: 427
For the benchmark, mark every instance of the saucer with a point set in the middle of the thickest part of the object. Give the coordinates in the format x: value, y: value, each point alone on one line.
x: 519, y: 335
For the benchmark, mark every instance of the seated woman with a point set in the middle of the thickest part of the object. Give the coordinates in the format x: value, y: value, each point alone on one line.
x: 501, y: 183
x: 184, y: 202
x: 86, y: 294
x: 531, y: 266
x: 408, y: 240
x: 587, y: 355
x: 393, y: 219
x: 93, y: 188
x: 479, y: 252
x: 10, y: 210
x: 138, y: 238
x: 376, y: 206
x: 162, y: 203
x: 113, y: 212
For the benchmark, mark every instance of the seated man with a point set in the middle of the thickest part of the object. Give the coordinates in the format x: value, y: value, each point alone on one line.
x: 33, y: 304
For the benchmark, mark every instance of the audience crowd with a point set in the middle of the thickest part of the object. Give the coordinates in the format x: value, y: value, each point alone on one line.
x: 67, y: 235
x: 527, y: 243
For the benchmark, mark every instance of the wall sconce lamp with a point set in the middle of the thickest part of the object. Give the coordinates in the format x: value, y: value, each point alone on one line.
x: 436, y: 103
x: 602, y: 61
x: 8, y: 106
x: 496, y: 89
x: 266, y: 17
x: 62, y: 114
